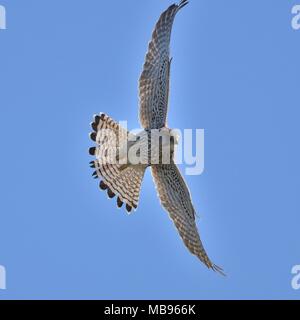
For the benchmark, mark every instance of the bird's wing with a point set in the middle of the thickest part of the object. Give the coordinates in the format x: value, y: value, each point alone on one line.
x: 175, y: 198
x: 154, y: 80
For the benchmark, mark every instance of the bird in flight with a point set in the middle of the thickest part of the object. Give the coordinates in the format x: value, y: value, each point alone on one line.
x: 123, y: 157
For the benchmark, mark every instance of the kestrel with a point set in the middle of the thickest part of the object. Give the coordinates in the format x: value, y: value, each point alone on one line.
x: 122, y: 175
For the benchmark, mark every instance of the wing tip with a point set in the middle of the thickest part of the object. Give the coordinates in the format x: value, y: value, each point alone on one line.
x: 182, y: 4
x: 218, y: 269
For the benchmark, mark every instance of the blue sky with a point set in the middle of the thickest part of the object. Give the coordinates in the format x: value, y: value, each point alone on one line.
x: 235, y: 73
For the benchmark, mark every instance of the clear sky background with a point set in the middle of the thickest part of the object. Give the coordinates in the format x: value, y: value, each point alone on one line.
x: 235, y: 73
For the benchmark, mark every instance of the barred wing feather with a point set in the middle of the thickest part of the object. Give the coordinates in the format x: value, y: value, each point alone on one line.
x: 154, y: 80
x: 175, y: 198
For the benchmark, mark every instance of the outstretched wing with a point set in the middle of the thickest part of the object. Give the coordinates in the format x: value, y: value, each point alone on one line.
x: 154, y: 80
x: 175, y: 198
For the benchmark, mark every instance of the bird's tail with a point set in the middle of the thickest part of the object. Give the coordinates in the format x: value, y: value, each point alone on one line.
x: 123, y: 181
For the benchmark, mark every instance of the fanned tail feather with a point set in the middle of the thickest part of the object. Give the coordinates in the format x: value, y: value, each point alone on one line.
x: 125, y: 183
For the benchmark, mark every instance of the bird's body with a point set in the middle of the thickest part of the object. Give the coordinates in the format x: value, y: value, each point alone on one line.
x: 149, y: 147
x: 123, y: 157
